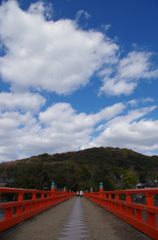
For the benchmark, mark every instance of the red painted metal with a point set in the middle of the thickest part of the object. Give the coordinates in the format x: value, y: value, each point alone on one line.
x: 130, y: 212
x: 20, y: 210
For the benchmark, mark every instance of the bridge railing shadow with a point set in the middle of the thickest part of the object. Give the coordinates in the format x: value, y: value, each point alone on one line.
x: 128, y: 205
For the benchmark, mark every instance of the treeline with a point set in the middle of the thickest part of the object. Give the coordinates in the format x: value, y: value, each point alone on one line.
x: 116, y: 168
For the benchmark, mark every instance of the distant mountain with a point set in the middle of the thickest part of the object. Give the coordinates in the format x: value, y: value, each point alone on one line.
x: 115, y: 167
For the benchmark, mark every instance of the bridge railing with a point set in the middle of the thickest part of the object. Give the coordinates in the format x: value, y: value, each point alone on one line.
x: 14, y: 212
x: 136, y: 207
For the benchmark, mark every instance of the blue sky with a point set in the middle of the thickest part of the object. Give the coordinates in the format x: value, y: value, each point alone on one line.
x: 77, y: 74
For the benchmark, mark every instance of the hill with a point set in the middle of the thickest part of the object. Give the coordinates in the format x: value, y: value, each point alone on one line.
x: 115, y: 167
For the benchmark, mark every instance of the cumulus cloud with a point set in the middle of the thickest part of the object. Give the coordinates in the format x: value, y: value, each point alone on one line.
x: 41, y: 54
x: 127, y: 72
x: 36, y: 54
x: 59, y: 128
x: 63, y: 112
x: 13, y: 125
x: 21, y: 101
x: 41, y: 8
x: 129, y: 131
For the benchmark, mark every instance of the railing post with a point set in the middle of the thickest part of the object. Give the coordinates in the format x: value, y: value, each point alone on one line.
x: 34, y: 198
x: 100, y: 192
x: 8, y: 213
x: 52, y: 189
x: 42, y: 195
x: 117, y: 206
x: 65, y: 191
x: 117, y: 196
x: 42, y: 198
x: 53, y: 192
x: 101, y: 188
x: 128, y: 200
x: 151, y: 217
x: 149, y: 199
x: 20, y: 199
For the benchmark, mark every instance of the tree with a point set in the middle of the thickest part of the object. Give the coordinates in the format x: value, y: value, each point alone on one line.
x: 130, y: 179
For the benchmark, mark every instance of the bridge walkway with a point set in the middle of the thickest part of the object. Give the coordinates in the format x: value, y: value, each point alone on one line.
x: 77, y: 218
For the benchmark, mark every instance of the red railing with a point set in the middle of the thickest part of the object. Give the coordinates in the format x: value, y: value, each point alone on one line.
x: 18, y: 211
x: 142, y: 215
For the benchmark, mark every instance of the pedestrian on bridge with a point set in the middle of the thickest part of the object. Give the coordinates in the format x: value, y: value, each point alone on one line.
x: 81, y: 193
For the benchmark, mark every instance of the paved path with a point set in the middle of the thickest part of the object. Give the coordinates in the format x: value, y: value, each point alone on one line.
x: 102, y: 225
x: 73, y: 220
x: 75, y: 227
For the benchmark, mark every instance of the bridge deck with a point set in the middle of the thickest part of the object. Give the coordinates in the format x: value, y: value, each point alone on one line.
x: 73, y: 220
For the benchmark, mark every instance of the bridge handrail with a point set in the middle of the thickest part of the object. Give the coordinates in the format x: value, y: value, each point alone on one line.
x: 128, y: 210
x: 18, y: 211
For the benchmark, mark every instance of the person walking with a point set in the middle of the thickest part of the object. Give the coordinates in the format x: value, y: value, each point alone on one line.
x: 81, y: 193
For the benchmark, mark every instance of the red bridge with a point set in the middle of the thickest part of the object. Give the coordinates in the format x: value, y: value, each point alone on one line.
x: 80, y: 214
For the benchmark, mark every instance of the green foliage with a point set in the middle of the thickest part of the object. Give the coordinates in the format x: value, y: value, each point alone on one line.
x: 130, y: 180
x: 82, y: 169
x: 27, y: 181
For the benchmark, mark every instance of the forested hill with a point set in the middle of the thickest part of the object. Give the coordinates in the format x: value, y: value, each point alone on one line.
x: 116, y: 168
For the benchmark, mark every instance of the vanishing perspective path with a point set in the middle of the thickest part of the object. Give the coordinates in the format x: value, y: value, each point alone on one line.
x: 74, y: 219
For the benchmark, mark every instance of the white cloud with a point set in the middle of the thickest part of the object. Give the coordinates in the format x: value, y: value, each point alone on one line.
x: 126, y: 74
x: 41, y: 8
x: 107, y: 26
x: 62, y: 113
x: 80, y: 13
x: 148, y: 99
x: 21, y: 101
x: 135, y: 65
x: 134, y: 102
x: 150, y: 153
x: 58, y: 129
x: 129, y: 132
x: 112, y: 86
x: 41, y: 54
x: 38, y: 53
x: 12, y: 126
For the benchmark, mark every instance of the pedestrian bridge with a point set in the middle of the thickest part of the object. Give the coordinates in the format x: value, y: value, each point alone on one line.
x: 108, y: 215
